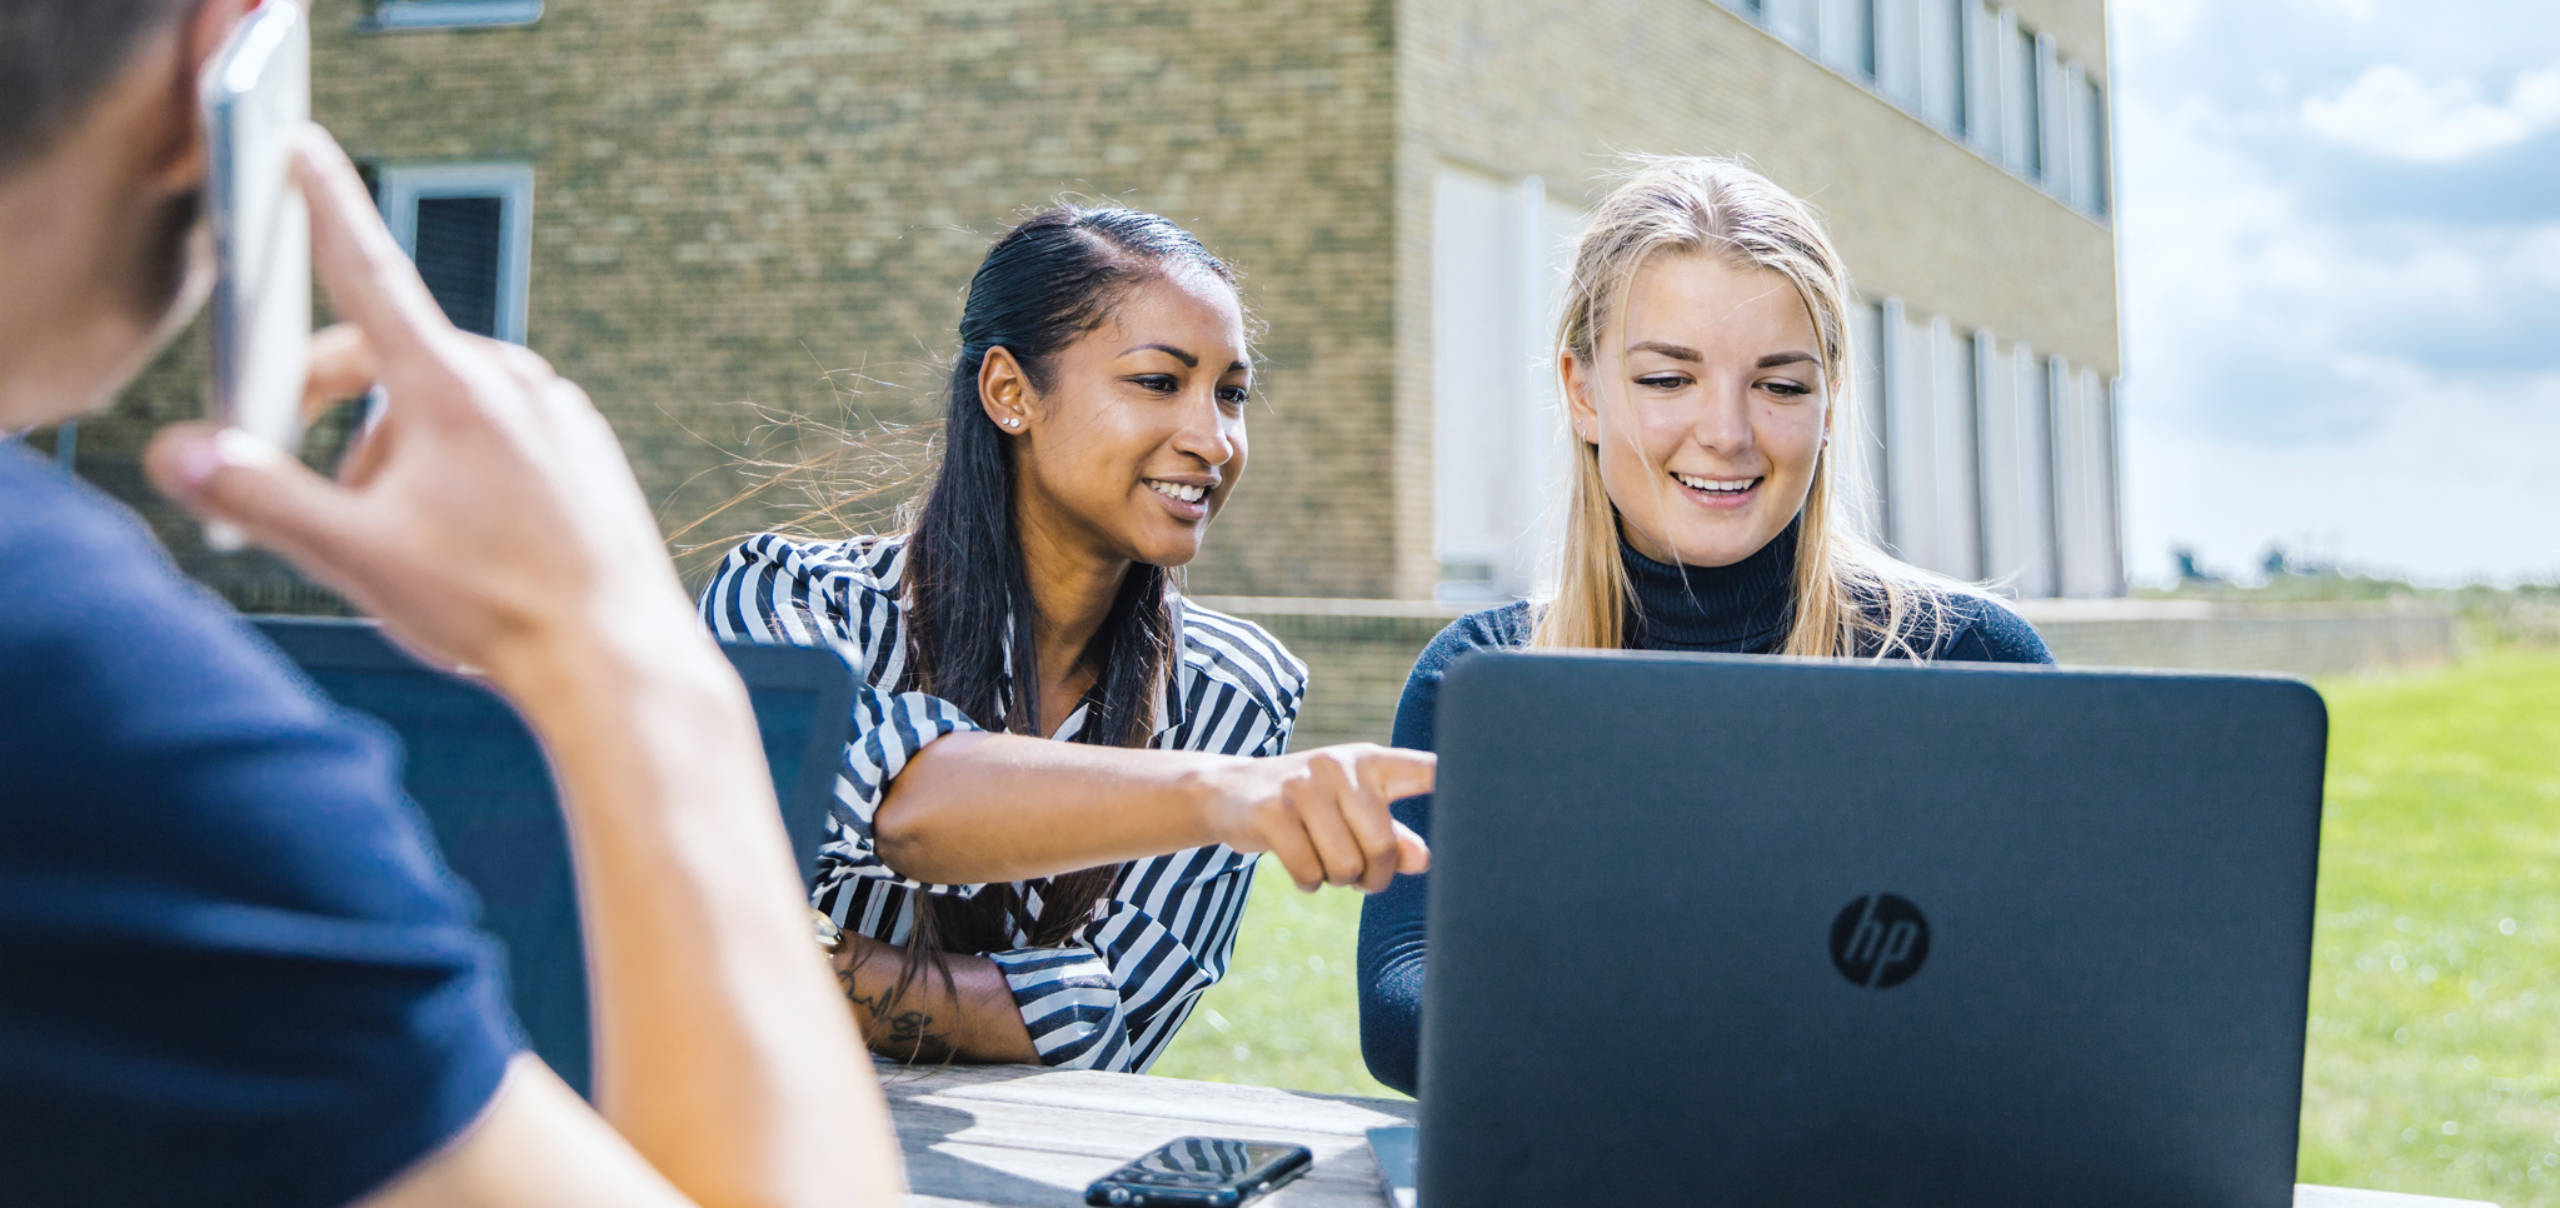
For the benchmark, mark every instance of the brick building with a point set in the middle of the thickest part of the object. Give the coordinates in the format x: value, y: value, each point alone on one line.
x: 692, y: 205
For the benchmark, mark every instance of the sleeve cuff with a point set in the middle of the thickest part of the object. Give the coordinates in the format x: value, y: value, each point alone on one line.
x: 1070, y: 1003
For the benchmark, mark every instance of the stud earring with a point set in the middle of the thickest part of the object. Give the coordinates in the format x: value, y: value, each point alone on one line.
x: 1012, y: 423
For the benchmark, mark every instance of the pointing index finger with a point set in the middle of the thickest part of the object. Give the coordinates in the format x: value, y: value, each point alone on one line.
x: 1395, y: 773
x: 369, y: 279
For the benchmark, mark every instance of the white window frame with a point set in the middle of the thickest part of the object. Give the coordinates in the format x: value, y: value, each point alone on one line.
x: 2018, y: 135
x: 1939, y: 35
x: 404, y: 186
x: 2041, y: 539
x: 1501, y: 255
x: 2080, y: 177
x: 391, y: 16
x: 1848, y: 37
x: 1956, y: 398
x: 2053, y: 120
x: 1910, y: 437
x: 1983, y: 112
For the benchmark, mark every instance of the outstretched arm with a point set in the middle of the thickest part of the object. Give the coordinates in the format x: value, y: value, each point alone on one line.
x: 976, y: 808
x: 491, y: 522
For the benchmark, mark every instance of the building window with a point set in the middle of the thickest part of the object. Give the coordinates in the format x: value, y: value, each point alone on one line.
x: 2090, y: 555
x: 1796, y: 22
x: 1970, y: 69
x: 392, y: 15
x: 1909, y: 433
x: 1942, y: 84
x: 1984, y: 116
x: 1849, y: 37
x: 470, y: 229
x: 1500, y: 253
x: 2053, y: 151
x: 1865, y: 475
x: 1898, y: 51
x: 1994, y: 463
x: 1958, y: 404
x: 2023, y: 112
x: 2088, y: 144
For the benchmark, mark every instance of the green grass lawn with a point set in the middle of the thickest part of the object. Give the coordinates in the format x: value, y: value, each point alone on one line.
x: 1288, y: 1012
x: 2434, y: 1061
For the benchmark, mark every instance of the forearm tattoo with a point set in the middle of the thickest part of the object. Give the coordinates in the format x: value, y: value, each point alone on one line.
x: 894, y: 1030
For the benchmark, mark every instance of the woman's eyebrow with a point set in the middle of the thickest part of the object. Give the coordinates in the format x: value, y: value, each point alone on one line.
x: 1677, y: 352
x: 1188, y: 361
x: 1775, y: 359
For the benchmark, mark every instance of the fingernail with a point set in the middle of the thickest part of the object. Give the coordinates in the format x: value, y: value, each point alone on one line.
x: 193, y: 462
x: 203, y: 456
x: 241, y: 447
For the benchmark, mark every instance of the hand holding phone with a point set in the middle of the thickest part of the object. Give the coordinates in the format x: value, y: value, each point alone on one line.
x: 1200, y: 1172
x: 256, y: 98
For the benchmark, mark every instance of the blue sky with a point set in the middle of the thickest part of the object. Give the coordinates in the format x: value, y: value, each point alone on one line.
x: 2340, y: 235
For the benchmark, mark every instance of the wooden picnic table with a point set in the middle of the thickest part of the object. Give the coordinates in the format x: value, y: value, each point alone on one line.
x: 1031, y: 1137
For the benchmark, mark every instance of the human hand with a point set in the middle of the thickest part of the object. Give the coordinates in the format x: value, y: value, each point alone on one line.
x: 1324, y: 812
x: 488, y: 518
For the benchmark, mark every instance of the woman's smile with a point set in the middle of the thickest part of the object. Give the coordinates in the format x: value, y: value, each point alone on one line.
x: 1186, y: 498
x: 1721, y: 494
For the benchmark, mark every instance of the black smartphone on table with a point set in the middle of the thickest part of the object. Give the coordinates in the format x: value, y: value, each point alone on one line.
x: 1200, y: 1172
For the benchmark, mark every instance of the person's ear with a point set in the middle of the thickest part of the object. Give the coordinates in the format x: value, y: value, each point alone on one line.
x: 1576, y: 377
x: 1004, y: 390
x: 200, y: 38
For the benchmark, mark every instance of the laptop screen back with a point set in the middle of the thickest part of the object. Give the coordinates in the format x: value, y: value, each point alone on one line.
x: 477, y: 775
x: 1752, y: 931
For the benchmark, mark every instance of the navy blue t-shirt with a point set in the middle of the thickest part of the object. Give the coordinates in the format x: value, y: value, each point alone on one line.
x: 233, y: 969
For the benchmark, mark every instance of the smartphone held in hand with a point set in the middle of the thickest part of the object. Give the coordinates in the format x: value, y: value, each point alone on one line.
x: 256, y: 97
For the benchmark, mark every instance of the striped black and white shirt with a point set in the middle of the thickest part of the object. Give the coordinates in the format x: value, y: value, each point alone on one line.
x: 1114, y: 996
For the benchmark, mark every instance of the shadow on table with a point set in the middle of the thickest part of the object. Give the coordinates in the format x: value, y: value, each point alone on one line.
x: 922, y: 1125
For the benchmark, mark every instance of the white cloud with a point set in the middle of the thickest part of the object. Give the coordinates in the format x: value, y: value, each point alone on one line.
x: 2162, y: 22
x: 2359, y: 11
x: 2338, y: 314
x: 2390, y: 111
x: 2536, y: 96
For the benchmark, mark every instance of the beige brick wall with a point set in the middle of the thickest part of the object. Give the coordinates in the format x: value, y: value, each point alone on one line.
x: 1555, y: 88
x: 779, y: 201
x: 773, y: 200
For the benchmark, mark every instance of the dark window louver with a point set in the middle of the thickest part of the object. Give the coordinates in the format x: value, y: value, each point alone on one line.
x: 458, y: 241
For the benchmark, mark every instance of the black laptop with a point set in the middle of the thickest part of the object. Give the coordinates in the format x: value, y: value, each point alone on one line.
x: 482, y: 782
x: 1716, y: 930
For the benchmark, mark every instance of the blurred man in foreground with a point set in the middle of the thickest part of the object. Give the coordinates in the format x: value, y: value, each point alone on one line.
x: 232, y: 971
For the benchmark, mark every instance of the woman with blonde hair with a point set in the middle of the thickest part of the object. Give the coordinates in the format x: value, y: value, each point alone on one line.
x: 1703, y: 353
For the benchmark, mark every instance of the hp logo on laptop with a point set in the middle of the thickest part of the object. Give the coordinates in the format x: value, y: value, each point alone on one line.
x: 1879, y: 941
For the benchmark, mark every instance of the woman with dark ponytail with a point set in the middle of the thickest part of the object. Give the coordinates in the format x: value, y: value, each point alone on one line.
x: 1061, y: 771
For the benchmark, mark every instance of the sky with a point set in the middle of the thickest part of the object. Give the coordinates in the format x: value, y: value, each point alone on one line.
x: 2339, y: 226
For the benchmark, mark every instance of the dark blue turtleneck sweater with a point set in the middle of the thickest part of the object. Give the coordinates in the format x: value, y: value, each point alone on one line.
x: 1739, y: 609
